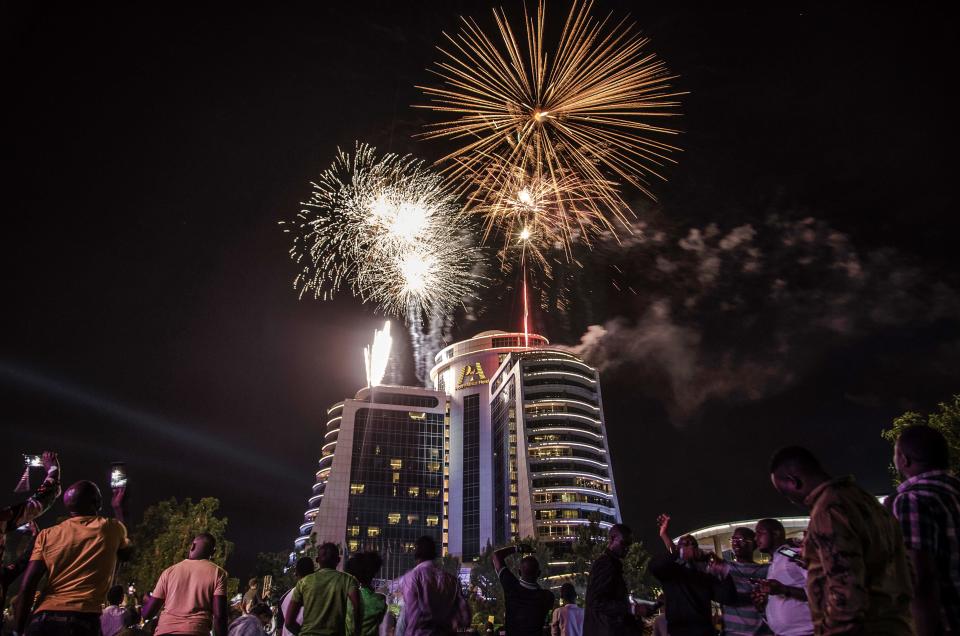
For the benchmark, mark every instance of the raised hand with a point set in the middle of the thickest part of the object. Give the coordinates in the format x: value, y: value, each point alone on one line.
x: 663, y: 523
x: 51, y: 463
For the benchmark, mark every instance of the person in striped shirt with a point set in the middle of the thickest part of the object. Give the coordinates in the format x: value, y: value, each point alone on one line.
x: 927, y: 505
x: 741, y: 617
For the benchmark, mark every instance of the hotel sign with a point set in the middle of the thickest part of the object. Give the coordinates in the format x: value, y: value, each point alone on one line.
x: 471, y: 375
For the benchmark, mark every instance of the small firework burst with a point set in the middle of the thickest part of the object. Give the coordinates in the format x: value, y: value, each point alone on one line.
x: 388, y: 229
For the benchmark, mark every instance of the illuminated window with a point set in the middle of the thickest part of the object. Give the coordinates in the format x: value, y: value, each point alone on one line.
x: 432, y: 520
x: 433, y: 467
x: 396, y: 464
x: 412, y: 519
x: 431, y: 493
x: 356, y: 489
x: 353, y: 545
x: 396, y: 478
x: 353, y: 531
x: 409, y: 546
x: 571, y: 514
x: 413, y: 491
x: 393, y: 518
x: 373, y: 532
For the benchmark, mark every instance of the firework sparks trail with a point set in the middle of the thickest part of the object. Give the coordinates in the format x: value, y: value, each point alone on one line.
x: 572, y: 126
x: 388, y: 229
x: 377, y: 355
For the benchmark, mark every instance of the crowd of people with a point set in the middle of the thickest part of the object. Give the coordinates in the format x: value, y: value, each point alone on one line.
x: 862, y: 567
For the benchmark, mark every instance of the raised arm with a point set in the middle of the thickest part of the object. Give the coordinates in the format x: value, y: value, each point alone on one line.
x: 37, y: 503
x: 500, y: 556
x: 663, y: 524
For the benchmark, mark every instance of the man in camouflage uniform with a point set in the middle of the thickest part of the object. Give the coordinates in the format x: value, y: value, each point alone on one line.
x: 858, y: 581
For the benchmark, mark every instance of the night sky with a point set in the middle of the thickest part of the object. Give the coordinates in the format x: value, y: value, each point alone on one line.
x: 796, y: 282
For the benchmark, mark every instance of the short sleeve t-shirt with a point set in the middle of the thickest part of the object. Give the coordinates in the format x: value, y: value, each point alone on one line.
x: 325, y: 596
x: 80, y: 555
x: 374, y: 607
x: 788, y: 616
x: 527, y: 605
x: 187, y: 590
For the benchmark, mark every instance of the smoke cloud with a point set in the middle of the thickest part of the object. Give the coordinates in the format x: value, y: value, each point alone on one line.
x: 740, y: 314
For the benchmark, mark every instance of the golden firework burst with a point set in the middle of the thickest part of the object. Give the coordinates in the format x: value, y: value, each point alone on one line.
x: 574, y: 125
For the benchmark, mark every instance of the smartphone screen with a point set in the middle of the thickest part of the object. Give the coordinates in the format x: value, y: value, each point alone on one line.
x: 118, y: 475
x: 33, y: 461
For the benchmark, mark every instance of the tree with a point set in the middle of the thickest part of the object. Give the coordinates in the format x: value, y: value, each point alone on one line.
x: 946, y: 420
x: 275, y: 564
x: 164, y: 537
x: 635, y: 570
x: 450, y: 563
x: 590, y: 544
x: 486, y: 593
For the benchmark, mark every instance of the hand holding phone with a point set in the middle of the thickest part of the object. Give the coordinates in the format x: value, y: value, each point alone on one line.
x: 33, y: 461
x: 118, y: 475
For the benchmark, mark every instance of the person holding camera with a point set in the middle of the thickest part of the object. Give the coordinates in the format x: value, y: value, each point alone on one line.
x: 527, y: 604
x: 79, y: 557
x: 688, y: 588
x: 23, y: 513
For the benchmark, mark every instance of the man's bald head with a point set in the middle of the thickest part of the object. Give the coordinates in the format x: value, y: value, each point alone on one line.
x: 83, y: 498
x: 203, y: 546
x: 919, y: 449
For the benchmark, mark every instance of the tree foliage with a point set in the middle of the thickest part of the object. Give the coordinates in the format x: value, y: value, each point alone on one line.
x: 276, y: 565
x: 450, y: 563
x: 635, y: 570
x: 590, y: 543
x: 486, y: 593
x: 164, y: 537
x: 946, y: 420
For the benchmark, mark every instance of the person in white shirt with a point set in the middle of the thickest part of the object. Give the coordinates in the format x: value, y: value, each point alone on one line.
x: 568, y: 618
x: 304, y: 567
x: 254, y: 623
x: 115, y: 618
x: 788, y: 613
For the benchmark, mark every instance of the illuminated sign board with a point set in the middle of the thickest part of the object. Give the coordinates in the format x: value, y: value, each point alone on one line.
x: 471, y: 375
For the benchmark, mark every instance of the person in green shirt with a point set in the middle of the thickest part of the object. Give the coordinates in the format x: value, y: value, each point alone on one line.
x: 324, y: 597
x: 364, y: 566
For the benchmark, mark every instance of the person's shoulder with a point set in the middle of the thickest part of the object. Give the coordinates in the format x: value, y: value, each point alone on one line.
x: 345, y: 578
x: 604, y: 560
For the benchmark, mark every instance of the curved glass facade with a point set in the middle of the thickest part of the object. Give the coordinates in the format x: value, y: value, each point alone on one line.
x: 334, y: 417
x: 551, y: 449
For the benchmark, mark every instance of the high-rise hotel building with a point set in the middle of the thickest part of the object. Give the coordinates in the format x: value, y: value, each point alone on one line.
x: 510, y: 443
x: 528, y: 448
x: 380, y: 481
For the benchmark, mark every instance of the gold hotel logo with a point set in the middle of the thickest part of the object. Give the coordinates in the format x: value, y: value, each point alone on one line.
x: 471, y: 375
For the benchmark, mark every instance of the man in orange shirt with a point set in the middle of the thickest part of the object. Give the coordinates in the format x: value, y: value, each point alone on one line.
x: 192, y: 593
x: 79, y: 557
